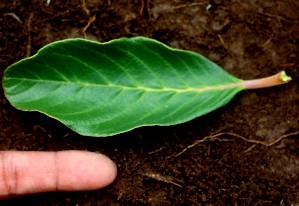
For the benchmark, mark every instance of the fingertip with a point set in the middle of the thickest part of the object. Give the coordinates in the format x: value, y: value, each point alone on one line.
x: 108, y: 168
x: 85, y: 170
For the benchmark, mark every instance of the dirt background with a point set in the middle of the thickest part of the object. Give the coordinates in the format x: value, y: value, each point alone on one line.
x: 250, y: 39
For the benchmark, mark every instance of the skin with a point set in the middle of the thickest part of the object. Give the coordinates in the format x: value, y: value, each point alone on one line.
x: 24, y: 173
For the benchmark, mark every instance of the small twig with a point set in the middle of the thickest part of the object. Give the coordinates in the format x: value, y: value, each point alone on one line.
x: 262, y: 142
x: 91, y: 20
x: 188, y: 5
x: 267, y: 42
x: 157, y: 150
x: 141, y: 11
x: 85, y: 8
x: 275, y: 16
x: 15, y: 17
x: 161, y: 178
x: 221, y: 40
x: 257, y: 9
x: 237, y: 136
x: 196, y: 143
x: 250, y: 148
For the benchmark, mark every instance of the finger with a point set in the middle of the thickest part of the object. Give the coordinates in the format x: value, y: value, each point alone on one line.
x: 33, y: 172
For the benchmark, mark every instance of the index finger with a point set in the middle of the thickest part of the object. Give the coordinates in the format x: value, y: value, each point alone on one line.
x: 33, y: 172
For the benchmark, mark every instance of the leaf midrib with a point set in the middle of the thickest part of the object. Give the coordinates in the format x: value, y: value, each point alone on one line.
x: 145, y: 89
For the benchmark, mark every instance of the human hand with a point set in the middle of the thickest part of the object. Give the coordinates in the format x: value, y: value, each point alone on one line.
x: 24, y: 173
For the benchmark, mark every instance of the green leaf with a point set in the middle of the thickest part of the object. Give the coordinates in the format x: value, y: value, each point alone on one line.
x: 102, y: 89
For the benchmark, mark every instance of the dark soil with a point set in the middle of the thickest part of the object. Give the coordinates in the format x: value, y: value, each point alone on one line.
x: 250, y: 39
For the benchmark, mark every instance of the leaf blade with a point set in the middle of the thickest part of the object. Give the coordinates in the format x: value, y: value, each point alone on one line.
x: 105, y: 89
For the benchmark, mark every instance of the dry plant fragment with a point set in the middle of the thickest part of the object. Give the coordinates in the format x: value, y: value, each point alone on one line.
x: 267, y: 144
x: 157, y: 150
x: 15, y: 17
x: 188, y: 5
x: 161, y: 178
x: 90, y: 21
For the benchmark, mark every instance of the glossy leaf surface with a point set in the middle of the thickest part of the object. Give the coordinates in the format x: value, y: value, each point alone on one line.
x: 102, y: 89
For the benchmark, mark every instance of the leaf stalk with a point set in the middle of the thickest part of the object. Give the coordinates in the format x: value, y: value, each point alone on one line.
x: 274, y: 80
